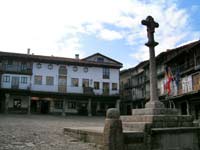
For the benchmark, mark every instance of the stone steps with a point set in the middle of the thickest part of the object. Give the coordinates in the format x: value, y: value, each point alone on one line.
x: 135, y: 126
x: 143, y: 122
x: 133, y: 139
x: 157, y: 118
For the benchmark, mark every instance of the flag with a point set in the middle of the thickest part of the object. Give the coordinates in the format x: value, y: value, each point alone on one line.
x: 169, y: 78
x: 177, y: 78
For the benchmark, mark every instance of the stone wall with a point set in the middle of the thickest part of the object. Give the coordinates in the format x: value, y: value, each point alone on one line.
x: 185, y: 138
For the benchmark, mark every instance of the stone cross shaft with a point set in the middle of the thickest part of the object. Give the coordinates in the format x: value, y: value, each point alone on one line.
x: 151, y: 25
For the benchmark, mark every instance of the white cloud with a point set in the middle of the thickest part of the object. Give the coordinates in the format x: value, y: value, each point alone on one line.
x: 142, y: 54
x: 109, y: 35
x: 54, y: 26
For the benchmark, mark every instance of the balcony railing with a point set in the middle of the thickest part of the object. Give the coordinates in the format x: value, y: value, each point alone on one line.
x: 88, y: 90
x: 60, y: 88
x: 127, y: 86
x: 106, y: 91
x: 16, y: 86
x: 15, y: 68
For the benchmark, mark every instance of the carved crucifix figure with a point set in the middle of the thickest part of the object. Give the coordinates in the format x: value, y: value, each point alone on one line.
x: 151, y: 25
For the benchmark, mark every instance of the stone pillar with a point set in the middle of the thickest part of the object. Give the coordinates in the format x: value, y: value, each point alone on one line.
x: 117, y: 105
x: 154, y: 101
x: 188, y: 107
x: 7, y: 98
x: 89, y: 107
x: 52, y: 105
x: 98, y: 106
x: 113, y: 138
x: 29, y: 105
x: 63, y: 110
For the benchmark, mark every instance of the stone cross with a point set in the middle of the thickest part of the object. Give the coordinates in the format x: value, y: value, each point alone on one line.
x: 154, y: 101
x: 151, y: 25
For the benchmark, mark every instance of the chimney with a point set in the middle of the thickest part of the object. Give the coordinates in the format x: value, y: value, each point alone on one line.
x: 28, y: 51
x: 76, y: 56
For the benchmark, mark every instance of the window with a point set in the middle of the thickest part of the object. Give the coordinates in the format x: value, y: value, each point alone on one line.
x: 71, y: 105
x: 114, y: 86
x: 50, y: 66
x: 62, y: 70
x: 106, y: 88
x: 17, y: 103
x: 85, y: 69
x: 58, y: 104
x: 85, y: 83
x: 39, y: 65
x: 198, y: 60
x: 10, y: 62
x: 24, y: 80
x: 49, y: 80
x: 75, y: 82
x: 100, y: 59
x: 106, y: 73
x: 6, y: 78
x: 96, y: 85
x: 24, y: 66
x: 75, y: 68
x: 38, y: 80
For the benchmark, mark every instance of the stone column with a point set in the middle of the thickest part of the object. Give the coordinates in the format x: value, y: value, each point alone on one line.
x: 117, y: 105
x: 154, y: 101
x: 89, y: 107
x: 113, y: 138
x: 98, y: 106
x: 29, y: 105
x: 7, y: 98
x: 63, y: 110
x: 188, y: 107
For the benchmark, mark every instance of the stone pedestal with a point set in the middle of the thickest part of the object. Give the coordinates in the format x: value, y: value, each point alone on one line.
x: 147, y: 118
x: 113, y: 134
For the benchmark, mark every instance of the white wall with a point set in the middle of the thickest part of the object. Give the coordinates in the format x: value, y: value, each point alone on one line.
x: 44, y: 71
x: 93, y: 74
x: 187, y: 84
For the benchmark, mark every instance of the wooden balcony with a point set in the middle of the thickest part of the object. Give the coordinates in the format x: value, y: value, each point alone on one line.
x: 106, y: 91
x: 15, y: 69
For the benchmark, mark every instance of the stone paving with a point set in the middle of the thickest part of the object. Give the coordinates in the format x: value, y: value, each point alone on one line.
x: 43, y: 132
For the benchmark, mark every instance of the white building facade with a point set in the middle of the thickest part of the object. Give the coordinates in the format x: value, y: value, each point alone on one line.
x: 43, y: 84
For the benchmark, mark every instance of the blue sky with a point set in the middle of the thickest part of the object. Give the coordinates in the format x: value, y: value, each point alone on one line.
x: 111, y: 27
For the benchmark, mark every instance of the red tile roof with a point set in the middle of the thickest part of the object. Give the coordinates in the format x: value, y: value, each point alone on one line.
x: 60, y: 60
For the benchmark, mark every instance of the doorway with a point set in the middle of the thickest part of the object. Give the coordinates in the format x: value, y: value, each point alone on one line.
x: 40, y: 106
x: 15, y: 82
x: 184, y: 108
x: 129, y: 110
x: 44, y: 107
x: 1, y: 106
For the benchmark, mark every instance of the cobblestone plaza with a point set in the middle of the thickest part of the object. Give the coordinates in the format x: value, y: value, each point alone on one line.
x: 43, y: 132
